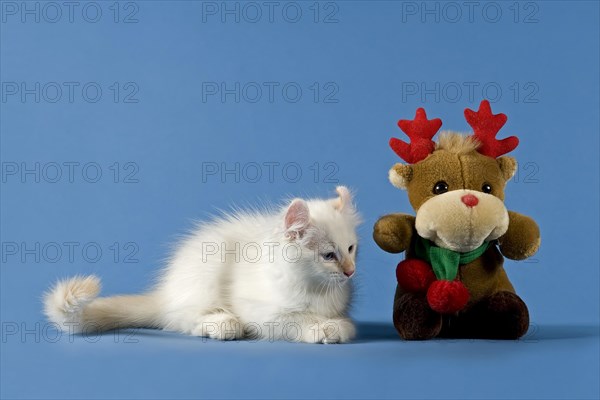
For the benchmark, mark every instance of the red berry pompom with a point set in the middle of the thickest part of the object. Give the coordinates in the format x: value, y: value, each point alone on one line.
x: 447, y: 297
x: 414, y: 275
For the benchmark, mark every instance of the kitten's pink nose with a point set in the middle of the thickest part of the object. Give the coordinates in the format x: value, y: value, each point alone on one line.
x: 348, y: 268
x: 469, y: 200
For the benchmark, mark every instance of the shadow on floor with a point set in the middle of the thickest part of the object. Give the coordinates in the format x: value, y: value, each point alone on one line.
x: 381, y: 332
x: 558, y: 332
x: 369, y: 332
x: 375, y: 332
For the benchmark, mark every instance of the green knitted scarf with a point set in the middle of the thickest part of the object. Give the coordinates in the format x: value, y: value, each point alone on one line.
x: 443, y: 261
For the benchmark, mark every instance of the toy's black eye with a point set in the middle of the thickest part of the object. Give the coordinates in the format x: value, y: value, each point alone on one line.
x: 351, y: 249
x: 329, y: 256
x: 486, y: 188
x: 440, y: 187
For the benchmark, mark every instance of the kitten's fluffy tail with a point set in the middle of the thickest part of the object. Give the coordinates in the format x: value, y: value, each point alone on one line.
x: 74, y: 306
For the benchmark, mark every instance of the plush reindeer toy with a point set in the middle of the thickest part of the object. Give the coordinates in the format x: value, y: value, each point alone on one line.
x: 452, y: 282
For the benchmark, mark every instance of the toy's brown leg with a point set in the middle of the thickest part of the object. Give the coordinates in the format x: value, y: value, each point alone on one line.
x: 502, y: 315
x: 413, y: 318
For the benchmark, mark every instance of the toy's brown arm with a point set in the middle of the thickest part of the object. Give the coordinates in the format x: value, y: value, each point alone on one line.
x: 522, y: 239
x: 393, y: 232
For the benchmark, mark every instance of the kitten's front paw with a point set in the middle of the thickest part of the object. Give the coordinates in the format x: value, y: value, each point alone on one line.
x: 332, y: 331
x: 220, y: 326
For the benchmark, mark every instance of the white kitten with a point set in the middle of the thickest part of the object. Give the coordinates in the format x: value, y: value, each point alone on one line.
x: 278, y: 275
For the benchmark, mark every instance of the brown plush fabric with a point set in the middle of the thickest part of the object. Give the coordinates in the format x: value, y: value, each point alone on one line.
x: 482, y: 277
x: 508, y: 166
x: 413, y: 318
x: 460, y: 171
x: 485, y: 276
x: 440, y: 166
x: 522, y: 240
x: 494, y: 310
x: 502, y: 315
x: 393, y: 233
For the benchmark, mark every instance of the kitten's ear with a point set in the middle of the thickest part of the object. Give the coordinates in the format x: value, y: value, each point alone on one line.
x: 344, y: 200
x: 297, y: 218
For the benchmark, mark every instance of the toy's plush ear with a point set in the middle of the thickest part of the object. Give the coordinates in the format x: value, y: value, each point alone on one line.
x: 344, y: 200
x: 297, y: 219
x: 508, y: 166
x: 400, y: 175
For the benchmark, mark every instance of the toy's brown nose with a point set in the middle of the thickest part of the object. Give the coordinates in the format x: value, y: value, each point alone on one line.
x: 469, y: 200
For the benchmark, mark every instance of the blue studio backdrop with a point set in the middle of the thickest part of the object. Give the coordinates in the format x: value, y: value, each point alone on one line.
x: 123, y: 122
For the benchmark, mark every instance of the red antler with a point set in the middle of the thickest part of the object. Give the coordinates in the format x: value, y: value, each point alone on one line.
x: 485, y: 127
x: 420, y: 131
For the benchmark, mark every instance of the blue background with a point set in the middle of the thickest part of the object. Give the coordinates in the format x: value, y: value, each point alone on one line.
x: 365, y: 61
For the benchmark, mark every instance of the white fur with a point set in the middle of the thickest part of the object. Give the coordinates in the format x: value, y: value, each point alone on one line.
x: 218, y: 285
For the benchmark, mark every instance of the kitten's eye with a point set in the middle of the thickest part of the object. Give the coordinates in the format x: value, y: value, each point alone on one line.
x: 486, y: 188
x: 440, y: 187
x: 329, y: 256
x: 351, y: 249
